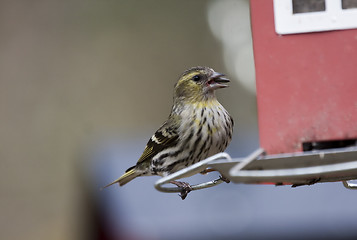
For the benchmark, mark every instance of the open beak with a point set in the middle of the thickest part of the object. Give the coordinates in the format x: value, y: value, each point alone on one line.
x: 217, y: 80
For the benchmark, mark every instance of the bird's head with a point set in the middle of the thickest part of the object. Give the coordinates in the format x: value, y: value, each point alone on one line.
x: 199, y: 84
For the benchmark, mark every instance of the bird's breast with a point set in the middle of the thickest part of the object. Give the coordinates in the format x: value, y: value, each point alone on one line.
x: 211, y: 126
x: 205, y: 129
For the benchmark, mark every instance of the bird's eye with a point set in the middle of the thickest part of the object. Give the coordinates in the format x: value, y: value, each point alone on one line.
x: 196, y: 78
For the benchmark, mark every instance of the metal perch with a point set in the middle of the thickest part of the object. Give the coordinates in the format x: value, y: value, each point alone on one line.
x: 295, y: 169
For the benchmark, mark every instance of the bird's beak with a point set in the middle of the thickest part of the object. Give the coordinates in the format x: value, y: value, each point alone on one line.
x: 217, y: 80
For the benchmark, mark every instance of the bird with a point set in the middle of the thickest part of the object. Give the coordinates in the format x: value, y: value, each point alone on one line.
x: 197, y: 127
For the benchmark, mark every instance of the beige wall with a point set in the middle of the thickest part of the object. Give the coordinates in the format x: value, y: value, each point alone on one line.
x: 73, y: 71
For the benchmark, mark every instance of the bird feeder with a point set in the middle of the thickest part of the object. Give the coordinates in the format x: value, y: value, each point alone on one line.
x: 305, y: 56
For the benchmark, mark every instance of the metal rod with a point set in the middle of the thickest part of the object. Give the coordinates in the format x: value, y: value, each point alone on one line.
x: 253, y: 156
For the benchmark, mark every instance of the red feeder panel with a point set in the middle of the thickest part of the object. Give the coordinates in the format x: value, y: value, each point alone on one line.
x: 306, y: 84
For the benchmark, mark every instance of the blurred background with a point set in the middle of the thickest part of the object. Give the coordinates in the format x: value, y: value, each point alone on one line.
x: 84, y: 84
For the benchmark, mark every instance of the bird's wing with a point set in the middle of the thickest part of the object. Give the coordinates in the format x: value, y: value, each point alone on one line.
x: 166, y: 136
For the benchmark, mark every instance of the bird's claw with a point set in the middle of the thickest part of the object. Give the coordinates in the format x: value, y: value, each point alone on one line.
x: 224, y: 179
x: 311, y: 182
x: 184, y: 187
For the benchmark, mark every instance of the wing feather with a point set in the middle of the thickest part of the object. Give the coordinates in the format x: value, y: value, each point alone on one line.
x: 165, y: 137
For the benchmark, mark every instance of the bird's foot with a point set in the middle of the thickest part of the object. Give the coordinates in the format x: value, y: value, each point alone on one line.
x: 223, y: 178
x: 184, y: 187
x: 311, y: 182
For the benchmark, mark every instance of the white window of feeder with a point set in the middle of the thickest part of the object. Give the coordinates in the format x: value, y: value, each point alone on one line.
x: 301, y: 16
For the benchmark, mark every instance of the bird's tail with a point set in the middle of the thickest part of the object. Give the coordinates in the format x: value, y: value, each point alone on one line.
x: 125, y: 178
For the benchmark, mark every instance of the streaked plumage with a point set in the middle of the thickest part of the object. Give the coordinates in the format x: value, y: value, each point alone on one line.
x: 197, y: 127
